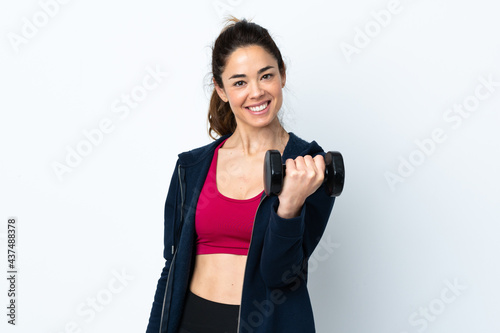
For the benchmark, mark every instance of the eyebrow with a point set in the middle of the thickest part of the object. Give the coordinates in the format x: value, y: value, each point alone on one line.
x: 235, y: 76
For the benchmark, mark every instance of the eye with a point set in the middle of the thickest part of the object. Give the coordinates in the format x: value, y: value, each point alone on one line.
x: 269, y: 75
x: 237, y: 83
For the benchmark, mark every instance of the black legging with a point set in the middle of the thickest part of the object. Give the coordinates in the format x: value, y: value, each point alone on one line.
x: 204, y: 316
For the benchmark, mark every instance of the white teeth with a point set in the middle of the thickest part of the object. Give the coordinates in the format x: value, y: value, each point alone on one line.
x: 259, y: 108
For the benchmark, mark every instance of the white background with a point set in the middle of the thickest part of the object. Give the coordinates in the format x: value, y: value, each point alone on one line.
x: 389, y: 252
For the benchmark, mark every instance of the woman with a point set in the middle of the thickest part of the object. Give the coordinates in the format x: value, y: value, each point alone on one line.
x: 236, y: 259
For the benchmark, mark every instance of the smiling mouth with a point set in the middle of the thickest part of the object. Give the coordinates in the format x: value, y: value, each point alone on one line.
x: 258, y: 108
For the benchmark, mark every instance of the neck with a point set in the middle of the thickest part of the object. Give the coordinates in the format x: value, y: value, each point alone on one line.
x: 254, y: 141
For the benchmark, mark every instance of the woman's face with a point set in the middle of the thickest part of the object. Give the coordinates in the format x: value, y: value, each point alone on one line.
x: 251, y: 81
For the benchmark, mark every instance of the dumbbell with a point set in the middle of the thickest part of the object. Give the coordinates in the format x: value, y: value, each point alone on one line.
x: 274, y: 171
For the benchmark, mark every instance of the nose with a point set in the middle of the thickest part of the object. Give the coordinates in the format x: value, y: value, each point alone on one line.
x: 256, y: 91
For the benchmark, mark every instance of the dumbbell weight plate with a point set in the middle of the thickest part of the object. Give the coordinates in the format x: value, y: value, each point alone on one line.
x: 334, y: 173
x: 273, y: 172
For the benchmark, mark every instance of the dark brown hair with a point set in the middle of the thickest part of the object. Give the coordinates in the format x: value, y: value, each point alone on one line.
x: 236, y: 34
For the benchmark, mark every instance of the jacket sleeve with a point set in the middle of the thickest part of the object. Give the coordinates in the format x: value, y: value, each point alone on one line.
x: 171, y: 212
x: 288, y: 243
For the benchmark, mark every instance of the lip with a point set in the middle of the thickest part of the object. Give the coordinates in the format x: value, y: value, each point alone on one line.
x: 260, y: 112
x: 254, y: 105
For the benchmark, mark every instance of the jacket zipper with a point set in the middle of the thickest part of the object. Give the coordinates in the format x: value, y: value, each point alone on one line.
x: 174, y: 250
x: 251, y: 236
x: 166, y: 290
x: 177, y: 235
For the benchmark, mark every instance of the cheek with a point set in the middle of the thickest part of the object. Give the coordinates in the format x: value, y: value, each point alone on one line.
x: 278, y: 93
x: 237, y: 98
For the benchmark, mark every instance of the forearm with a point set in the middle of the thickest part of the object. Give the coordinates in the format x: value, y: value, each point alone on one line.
x: 287, y: 242
x: 282, y: 250
x: 288, y: 208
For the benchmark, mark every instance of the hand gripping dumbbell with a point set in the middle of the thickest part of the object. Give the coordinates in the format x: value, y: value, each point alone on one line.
x: 274, y: 171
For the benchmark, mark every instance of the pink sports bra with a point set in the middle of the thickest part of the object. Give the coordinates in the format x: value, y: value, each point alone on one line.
x: 223, y: 225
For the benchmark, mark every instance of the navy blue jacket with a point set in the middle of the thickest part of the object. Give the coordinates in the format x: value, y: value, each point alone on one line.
x: 274, y: 296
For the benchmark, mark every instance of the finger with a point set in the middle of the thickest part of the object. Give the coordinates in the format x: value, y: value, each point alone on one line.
x: 319, y: 161
x: 290, y: 164
x: 309, y: 169
x: 310, y: 166
x: 310, y: 163
x: 300, y: 163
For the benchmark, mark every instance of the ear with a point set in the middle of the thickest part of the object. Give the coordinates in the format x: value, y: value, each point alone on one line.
x: 283, y: 80
x: 220, y: 91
